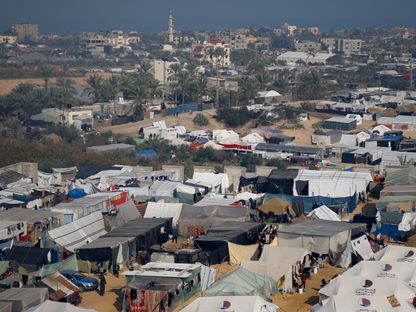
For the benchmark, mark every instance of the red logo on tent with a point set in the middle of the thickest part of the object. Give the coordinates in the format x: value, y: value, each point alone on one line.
x: 367, y: 284
x: 387, y: 268
x: 364, y: 302
x: 225, y: 305
x: 409, y: 254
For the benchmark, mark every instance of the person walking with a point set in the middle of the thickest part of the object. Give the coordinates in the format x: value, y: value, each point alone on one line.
x: 102, y: 284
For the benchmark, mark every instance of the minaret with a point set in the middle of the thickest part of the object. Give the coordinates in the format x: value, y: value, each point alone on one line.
x: 170, y: 27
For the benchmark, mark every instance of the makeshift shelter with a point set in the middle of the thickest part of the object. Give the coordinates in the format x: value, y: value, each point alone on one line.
x: 332, y: 183
x: 66, y: 264
x: 397, y: 254
x: 277, y: 263
x: 31, y: 258
x: 281, y: 181
x: 162, y: 210
x: 214, y: 243
x: 195, y: 220
x: 147, y: 232
x: 324, y: 213
x: 24, y: 298
x: 362, y: 248
x: 331, y: 238
x: 81, y: 231
x: 188, y: 194
x: 52, y: 306
x: 279, y: 208
x: 402, y: 176
x: 6, y: 306
x: 61, y: 288
x: 240, y: 253
x: 242, y: 282
x: 218, y: 182
x: 125, y: 213
x: 217, y: 200
x: 236, y: 303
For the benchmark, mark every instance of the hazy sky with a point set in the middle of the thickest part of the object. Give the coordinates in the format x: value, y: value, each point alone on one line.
x: 70, y: 16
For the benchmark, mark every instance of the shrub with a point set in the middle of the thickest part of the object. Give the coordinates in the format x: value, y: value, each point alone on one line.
x: 201, y: 120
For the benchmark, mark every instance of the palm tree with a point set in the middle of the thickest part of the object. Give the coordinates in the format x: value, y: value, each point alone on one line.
x: 46, y: 72
x: 281, y: 85
x: 95, y: 87
x: 66, y: 89
x: 248, y: 87
x: 183, y: 82
x: 312, y: 86
x: 200, y: 86
x: 264, y: 79
x: 217, y: 55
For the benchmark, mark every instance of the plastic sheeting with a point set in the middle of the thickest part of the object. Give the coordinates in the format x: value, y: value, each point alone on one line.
x: 362, y: 247
x: 216, y: 181
x: 324, y: 213
x: 239, y: 253
x: 242, y: 283
x: 70, y: 263
x: 403, y: 176
x: 397, y: 253
x: 162, y: 210
x: 24, y: 298
x: 82, y: 231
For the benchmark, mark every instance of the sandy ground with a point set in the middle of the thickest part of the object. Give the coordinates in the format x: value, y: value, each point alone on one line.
x: 6, y: 85
x: 303, y: 302
x: 108, y: 302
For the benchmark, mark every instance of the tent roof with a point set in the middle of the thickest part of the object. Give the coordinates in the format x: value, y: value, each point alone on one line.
x: 237, y: 303
x: 53, y: 306
x: 322, y: 228
x: 81, y: 231
x: 324, y: 213
x: 24, y: 297
x: 277, y: 206
x: 138, y: 227
x: 106, y: 241
x: 229, y: 230
x: 26, y: 215
x: 28, y: 255
x: 163, y: 210
x: 402, y: 176
x: 278, y: 174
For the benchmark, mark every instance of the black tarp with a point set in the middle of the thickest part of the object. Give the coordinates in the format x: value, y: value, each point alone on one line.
x: 31, y: 258
x: 102, y: 249
x: 147, y: 231
x: 281, y: 181
x: 214, y: 243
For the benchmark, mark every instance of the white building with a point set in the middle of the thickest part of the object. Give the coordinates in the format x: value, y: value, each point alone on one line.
x: 162, y: 70
x: 203, y: 52
x: 292, y: 57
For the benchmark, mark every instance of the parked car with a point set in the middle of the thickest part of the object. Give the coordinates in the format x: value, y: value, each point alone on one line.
x: 83, y: 282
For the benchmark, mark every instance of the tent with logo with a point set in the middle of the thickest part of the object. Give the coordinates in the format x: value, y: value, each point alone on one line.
x: 397, y: 253
x: 230, y: 303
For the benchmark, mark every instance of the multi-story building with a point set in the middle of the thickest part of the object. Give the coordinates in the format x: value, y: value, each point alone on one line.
x: 26, y: 31
x: 330, y: 44
x: 162, y: 69
x: 8, y: 39
x: 239, y: 41
x: 203, y: 52
x: 289, y: 30
x: 118, y: 39
x: 307, y: 46
x: 314, y: 30
x: 349, y: 46
x: 93, y: 43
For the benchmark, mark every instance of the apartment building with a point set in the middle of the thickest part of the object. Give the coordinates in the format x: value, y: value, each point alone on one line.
x: 162, y: 70
x: 239, y: 41
x: 307, y: 46
x: 8, y: 39
x: 349, y: 46
x: 26, y: 31
x: 203, y: 52
x: 290, y: 30
x: 314, y: 30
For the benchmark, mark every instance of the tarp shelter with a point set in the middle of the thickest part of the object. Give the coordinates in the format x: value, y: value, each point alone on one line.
x: 162, y: 210
x: 60, y: 288
x: 235, y: 303
x: 402, y: 176
x: 6, y: 306
x: 218, y: 182
x: 204, y: 217
x: 24, y: 298
x: 242, y: 282
x: 125, y: 213
x: 52, y: 306
x: 362, y: 248
x: 163, y: 188
x: 324, y: 213
x: 323, y: 237
x: 31, y: 258
x: 239, y: 253
x: 214, y: 243
x: 70, y: 263
x: 397, y: 253
x: 332, y: 183
x: 147, y: 232
x: 277, y: 206
x: 277, y: 263
x: 281, y: 181
x: 219, y: 200
x: 81, y: 231
x: 112, y: 249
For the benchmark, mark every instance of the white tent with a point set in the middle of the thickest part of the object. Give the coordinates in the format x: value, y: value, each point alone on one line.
x: 364, y: 304
x: 333, y: 184
x: 213, y: 145
x: 324, y: 213
x: 164, y: 210
x: 253, y: 138
x: 219, y: 135
x: 230, y: 303
x: 403, y: 271
x: 366, y: 286
x: 277, y: 262
x: 361, y: 246
x: 52, y: 306
x: 397, y: 253
x: 380, y: 130
x: 217, y: 181
x: 80, y: 232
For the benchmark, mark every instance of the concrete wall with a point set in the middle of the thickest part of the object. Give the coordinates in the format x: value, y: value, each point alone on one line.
x: 204, y: 169
x: 234, y: 173
x: 179, y: 172
x: 25, y: 168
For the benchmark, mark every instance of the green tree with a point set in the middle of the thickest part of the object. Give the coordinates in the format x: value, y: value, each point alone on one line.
x: 281, y: 85
x: 66, y: 90
x: 312, y: 86
x: 248, y: 87
x: 201, y: 120
x: 46, y: 72
x: 95, y: 87
x: 264, y: 79
x: 217, y: 55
